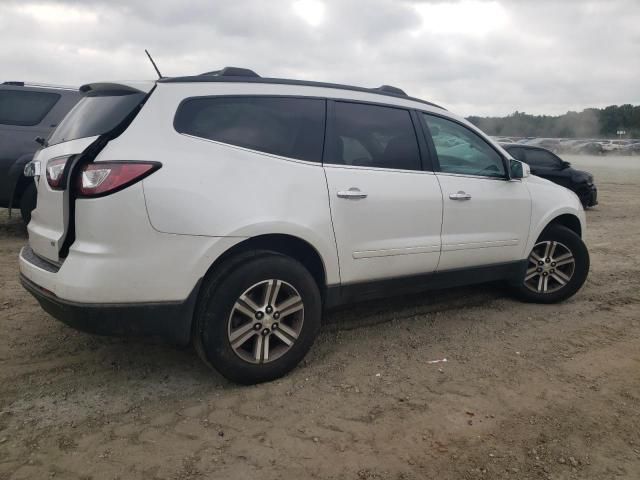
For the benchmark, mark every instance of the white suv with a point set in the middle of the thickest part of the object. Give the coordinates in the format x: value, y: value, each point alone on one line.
x: 229, y: 210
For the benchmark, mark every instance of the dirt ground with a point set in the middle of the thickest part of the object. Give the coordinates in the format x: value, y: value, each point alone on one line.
x: 528, y: 391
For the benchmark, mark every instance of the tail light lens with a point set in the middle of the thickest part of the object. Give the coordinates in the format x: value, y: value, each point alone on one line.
x: 104, y: 178
x: 55, y: 172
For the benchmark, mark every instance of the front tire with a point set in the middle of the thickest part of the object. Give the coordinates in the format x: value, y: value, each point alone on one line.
x: 557, y: 267
x: 257, y: 317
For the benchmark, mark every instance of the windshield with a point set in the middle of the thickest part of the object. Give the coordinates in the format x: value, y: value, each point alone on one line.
x: 95, y: 115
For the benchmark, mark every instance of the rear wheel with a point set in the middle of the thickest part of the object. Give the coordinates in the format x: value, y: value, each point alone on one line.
x: 557, y: 267
x: 257, y: 317
x: 28, y: 202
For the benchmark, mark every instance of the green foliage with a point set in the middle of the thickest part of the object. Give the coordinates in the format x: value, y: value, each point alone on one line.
x: 590, y: 123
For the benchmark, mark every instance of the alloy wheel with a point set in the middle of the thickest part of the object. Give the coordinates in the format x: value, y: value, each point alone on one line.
x: 551, y: 267
x: 265, y: 321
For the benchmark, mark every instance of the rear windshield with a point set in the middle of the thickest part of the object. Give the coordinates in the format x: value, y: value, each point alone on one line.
x: 95, y: 115
x: 25, y: 108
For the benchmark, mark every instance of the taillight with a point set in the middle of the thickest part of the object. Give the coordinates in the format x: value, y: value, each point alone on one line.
x: 103, y: 178
x: 55, y: 172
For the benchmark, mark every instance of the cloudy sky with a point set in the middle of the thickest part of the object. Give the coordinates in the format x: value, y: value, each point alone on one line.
x: 481, y: 57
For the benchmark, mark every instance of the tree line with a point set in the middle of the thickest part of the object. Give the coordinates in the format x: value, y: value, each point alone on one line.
x: 590, y: 123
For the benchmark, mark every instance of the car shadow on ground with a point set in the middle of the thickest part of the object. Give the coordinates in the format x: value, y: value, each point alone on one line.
x: 152, y: 360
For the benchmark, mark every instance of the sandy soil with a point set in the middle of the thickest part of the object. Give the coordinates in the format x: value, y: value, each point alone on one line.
x: 528, y: 391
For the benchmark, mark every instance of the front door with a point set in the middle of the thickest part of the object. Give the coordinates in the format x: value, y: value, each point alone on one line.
x: 486, y: 216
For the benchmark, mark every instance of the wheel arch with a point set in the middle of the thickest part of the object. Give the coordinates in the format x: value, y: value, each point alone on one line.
x: 570, y: 218
x: 286, y: 244
x: 18, y: 181
x: 572, y: 222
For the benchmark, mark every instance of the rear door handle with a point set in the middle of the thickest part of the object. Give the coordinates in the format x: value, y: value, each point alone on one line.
x: 460, y: 196
x: 353, y: 194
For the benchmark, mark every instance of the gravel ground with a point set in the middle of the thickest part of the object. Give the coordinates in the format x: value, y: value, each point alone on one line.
x: 528, y: 391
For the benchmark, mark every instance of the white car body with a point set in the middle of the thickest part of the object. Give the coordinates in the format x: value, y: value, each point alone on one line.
x: 154, y: 241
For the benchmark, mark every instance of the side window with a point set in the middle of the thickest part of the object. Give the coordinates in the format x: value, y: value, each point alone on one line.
x: 541, y: 158
x: 290, y: 127
x: 25, y: 108
x: 517, y: 153
x: 460, y: 150
x: 373, y: 136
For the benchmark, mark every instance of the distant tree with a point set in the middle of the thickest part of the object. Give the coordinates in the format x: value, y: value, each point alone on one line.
x: 590, y: 123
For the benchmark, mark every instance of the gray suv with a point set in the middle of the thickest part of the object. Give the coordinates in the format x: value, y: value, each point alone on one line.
x: 27, y: 111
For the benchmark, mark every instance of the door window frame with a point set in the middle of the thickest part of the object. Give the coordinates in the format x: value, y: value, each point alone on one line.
x: 434, y: 153
x: 424, y: 153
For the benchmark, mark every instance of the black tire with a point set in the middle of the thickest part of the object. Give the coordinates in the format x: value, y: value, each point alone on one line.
x: 28, y: 202
x: 216, y: 302
x: 572, y: 242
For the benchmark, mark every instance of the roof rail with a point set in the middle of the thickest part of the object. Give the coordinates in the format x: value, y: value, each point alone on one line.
x: 390, y: 89
x: 233, y: 72
x: 236, y: 74
x: 38, y: 85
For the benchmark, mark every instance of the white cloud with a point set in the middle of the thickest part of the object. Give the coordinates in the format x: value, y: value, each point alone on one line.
x: 311, y: 11
x: 471, y: 56
x: 465, y: 17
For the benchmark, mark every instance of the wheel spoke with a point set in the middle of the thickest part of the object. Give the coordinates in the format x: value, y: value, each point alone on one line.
x: 545, y: 284
x: 283, y: 337
x: 534, y: 257
x: 238, y: 332
x: 265, y: 349
x: 290, y: 306
x: 288, y: 331
x: 558, y: 279
x: 562, y: 275
x: 271, y: 292
x: 257, y: 348
x: 552, y: 249
x: 531, y: 273
x: 242, y: 339
x: 547, y: 249
x: 540, y: 280
x: 564, y: 259
x: 244, y: 309
x: 249, y: 303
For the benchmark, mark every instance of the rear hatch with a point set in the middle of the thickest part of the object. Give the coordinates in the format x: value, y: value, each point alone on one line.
x: 103, y: 113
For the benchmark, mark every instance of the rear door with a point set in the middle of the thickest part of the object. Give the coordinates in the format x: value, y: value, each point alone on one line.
x: 485, y: 216
x: 386, y: 209
x: 103, y: 107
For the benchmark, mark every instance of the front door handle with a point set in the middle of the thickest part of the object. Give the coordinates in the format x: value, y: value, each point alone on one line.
x: 353, y: 194
x: 460, y: 196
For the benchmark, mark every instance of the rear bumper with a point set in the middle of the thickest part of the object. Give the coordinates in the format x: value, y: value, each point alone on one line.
x: 170, y: 321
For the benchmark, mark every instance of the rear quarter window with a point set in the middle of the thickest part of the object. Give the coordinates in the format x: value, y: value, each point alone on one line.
x: 96, y: 114
x: 25, y: 108
x: 285, y: 126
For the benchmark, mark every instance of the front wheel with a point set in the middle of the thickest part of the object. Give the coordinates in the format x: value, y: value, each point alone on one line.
x: 557, y: 267
x: 257, y: 317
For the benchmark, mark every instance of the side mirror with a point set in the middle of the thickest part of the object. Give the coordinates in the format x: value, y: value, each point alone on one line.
x: 565, y: 165
x: 519, y: 169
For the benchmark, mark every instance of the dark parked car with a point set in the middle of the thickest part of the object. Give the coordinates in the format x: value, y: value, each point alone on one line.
x: 547, y: 164
x: 27, y: 111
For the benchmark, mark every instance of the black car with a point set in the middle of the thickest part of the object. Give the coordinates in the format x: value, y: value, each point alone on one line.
x: 547, y: 164
x: 27, y: 111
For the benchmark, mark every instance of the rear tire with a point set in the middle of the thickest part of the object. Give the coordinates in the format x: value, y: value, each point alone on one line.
x: 28, y: 202
x: 257, y: 317
x: 557, y: 267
